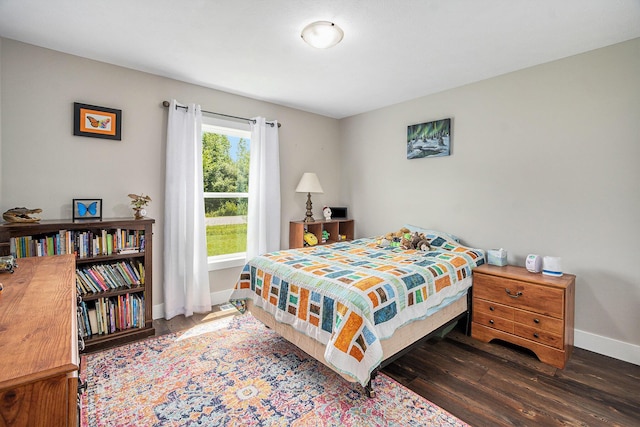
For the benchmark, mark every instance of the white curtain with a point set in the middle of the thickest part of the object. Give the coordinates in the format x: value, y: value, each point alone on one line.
x: 186, y: 277
x: 263, y: 217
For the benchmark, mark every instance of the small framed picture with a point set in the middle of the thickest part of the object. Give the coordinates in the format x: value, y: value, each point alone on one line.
x: 87, y: 209
x: 96, y: 122
x: 430, y: 139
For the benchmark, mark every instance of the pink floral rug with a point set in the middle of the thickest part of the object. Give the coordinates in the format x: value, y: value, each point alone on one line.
x: 236, y: 372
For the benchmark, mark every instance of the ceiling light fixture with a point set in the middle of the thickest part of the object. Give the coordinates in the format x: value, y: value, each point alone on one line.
x: 322, y: 34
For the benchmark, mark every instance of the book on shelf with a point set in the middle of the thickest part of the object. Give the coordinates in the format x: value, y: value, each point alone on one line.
x: 84, y: 243
x: 93, y: 321
x: 84, y: 320
x: 109, y: 244
x: 110, y: 275
x: 125, y: 250
x: 82, y: 330
x: 109, y: 315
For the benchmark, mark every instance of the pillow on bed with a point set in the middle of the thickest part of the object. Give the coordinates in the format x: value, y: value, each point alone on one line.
x: 432, y: 234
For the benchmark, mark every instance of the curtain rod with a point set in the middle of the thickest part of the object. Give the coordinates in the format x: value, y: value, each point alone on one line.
x: 167, y: 104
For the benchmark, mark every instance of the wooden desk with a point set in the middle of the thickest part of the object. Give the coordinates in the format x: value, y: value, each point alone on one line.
x: 39, y: 343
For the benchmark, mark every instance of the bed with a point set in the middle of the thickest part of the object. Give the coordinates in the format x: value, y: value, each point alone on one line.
x: 355, y: 305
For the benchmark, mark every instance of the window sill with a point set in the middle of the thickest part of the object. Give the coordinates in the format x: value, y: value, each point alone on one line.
x: 220, y: 262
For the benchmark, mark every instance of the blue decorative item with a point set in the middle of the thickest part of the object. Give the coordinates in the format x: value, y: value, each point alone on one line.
x: 83, y: 209
x: 87, y: 209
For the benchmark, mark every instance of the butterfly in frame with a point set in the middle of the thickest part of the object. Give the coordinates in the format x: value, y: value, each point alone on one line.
x: 87, y: 209
x: 102, y: 124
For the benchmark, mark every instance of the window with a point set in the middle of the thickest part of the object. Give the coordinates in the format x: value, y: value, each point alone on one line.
x: 225, y: 166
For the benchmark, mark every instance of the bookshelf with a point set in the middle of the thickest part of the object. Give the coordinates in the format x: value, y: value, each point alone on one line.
x: 113, y: 266
x: 335, y: 228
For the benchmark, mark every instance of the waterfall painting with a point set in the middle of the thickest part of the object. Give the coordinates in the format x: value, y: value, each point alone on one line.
x: 430, y: 139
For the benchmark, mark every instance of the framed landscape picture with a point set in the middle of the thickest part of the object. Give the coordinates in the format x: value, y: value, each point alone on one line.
x: 430, y: 139
x: 96, y: 122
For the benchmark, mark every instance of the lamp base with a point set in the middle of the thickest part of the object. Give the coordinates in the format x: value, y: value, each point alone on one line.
x: 309, y: 217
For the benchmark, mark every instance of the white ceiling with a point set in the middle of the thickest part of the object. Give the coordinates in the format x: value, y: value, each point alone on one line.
x: 393, y: 50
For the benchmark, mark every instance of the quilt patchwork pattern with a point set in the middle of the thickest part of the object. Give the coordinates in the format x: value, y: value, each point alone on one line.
x: 350, y: 295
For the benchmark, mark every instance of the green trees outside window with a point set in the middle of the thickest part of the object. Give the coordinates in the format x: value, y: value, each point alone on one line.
x: 225, y: 167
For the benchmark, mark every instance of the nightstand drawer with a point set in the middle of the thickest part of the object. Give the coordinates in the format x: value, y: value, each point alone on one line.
x: 519, y: 294
x: 538, y: 321
x: 493, y: 322
x: 538, y: 335
x: 492, y: 309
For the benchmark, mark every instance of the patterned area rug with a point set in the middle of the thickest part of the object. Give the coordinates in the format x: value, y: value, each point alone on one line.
x: 235, y: 372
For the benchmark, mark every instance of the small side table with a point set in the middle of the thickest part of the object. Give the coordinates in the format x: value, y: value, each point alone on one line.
x: 531, y: 310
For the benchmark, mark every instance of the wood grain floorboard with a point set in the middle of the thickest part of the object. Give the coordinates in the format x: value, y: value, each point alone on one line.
x: 499, y: 384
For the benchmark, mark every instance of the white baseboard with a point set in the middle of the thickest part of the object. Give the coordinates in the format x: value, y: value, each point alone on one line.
x: 221, y: 297
x: 607, y: 346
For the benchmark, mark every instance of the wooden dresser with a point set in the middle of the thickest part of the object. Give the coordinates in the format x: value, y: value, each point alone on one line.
x: 531, y: 310
x: 39, y: 343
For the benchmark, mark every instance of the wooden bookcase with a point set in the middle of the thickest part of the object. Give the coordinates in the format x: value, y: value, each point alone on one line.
x: 335, y: 228
x: 23, y: 239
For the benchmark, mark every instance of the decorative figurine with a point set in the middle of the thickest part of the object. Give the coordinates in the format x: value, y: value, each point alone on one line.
x: 21, y: 215
x: 326, y: 211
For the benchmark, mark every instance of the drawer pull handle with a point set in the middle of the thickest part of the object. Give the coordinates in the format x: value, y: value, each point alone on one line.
x: 491, y: 321
x: 536, y: 320
x: 517, y: 294
x: 535, y: 334
x: 491, y: 308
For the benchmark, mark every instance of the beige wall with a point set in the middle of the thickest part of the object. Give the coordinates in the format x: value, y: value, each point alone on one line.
x: 44, y: 165
x: 544, y: 160
x: 1, y: 119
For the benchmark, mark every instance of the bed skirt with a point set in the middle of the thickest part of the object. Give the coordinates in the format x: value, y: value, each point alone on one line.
x: 402, y: 338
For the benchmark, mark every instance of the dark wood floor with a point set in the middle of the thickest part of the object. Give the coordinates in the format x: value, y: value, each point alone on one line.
x: 497, y: 384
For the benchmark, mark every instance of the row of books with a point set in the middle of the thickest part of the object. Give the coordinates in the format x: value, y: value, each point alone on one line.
x: 84, y: 244
x: 103, y: 277
x: 113, y: 314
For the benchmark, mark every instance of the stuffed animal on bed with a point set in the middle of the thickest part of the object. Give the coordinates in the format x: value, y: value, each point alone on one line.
x: 403, y: 232
x: 417, y: 241
x: 423, y: 245
x: 405, y: 240
x: 394, y: 239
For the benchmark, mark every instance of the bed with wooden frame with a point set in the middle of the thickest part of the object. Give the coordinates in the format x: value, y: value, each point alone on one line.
x: 356, y: 306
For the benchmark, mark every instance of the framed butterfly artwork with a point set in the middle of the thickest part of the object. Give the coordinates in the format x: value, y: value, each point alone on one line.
x: 96, y: 122
x: 87, y: 209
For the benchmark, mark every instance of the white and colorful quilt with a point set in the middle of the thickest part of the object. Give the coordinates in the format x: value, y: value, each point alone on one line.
x: 350, y: 295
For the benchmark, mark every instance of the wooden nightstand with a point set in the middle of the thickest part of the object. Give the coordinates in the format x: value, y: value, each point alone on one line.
x: 531, y: 310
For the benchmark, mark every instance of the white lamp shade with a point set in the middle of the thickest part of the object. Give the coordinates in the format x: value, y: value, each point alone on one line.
x: 322, y: 34
x: 309, y: 184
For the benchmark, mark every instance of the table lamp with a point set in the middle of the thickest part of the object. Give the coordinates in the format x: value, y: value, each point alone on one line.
x: 309, y: 184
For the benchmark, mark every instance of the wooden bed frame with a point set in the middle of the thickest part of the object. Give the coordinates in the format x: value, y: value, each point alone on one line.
x: 403, y: 339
